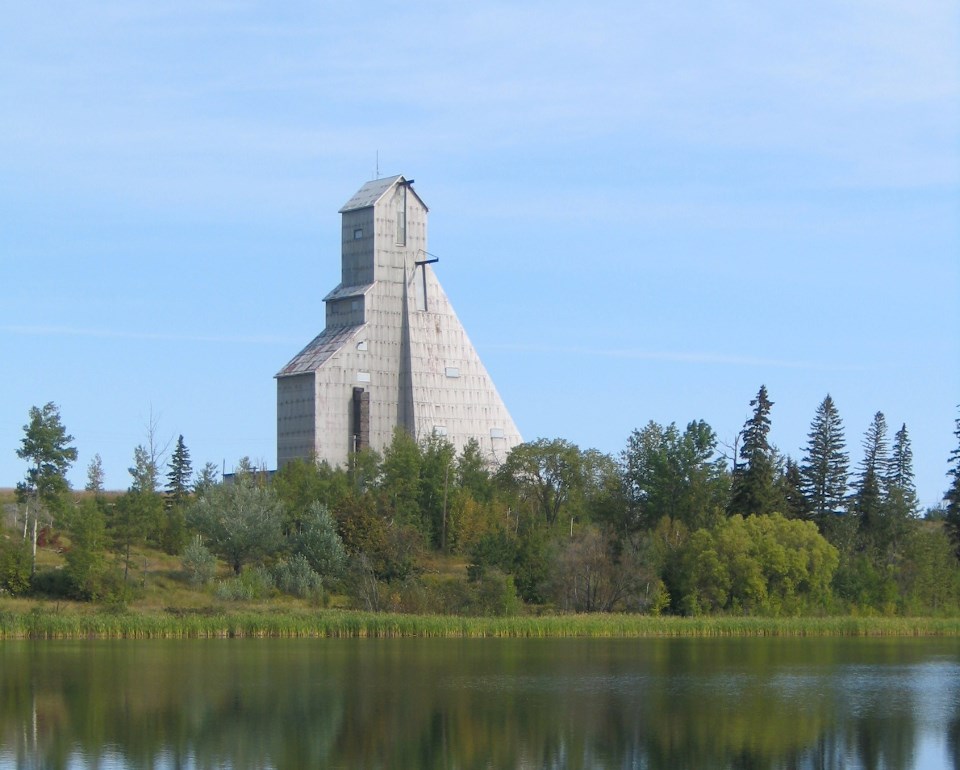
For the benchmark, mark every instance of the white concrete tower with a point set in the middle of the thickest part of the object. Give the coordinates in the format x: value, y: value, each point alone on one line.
x: 393, y: 351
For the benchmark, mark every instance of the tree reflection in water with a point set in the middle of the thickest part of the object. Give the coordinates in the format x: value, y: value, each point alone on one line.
x: 747, y: 703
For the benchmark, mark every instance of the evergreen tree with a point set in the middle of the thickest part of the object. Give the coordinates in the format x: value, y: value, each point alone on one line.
x: 178, y: 475
x: 320, y: 543
x: 899, y: 483
x: 952, y: 497
x: 95, y: 475
x: 825, y: 465
x: 868, y: 500
x: 177, y: 493
x: 207, y: 477
x: 791, y: 488
x: 144, y: 471
x: 754, y: 479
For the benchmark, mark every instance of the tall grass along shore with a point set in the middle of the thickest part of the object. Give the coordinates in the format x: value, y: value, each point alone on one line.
x: 49, y: 624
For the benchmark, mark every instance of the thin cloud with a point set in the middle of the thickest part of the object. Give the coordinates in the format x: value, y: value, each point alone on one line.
x: 718, y: 359
x: 61, y: 331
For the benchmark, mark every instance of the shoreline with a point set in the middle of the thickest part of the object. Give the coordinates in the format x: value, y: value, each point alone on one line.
x: 51, y: 624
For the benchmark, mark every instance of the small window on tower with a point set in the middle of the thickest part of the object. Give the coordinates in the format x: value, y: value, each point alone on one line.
x: 358, y: 234
x: 496, y: 433
x: 453, y: 371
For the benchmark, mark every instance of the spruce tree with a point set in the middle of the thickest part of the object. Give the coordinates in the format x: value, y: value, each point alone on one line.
x: 791, y: 487
x: 952, y: 497
x: 95, y: 475
x: 178, y: 475
x: 825, y: 465
x: 869, y: 499
x: 899, y: 483
x: 176, y: 494
x: 754, y: 480
x: 207, y: 477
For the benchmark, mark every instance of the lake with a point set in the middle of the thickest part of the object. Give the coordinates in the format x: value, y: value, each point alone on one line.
x: 485, y: 703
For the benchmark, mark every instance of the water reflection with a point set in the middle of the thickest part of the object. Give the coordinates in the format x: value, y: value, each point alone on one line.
x: 481, y: 704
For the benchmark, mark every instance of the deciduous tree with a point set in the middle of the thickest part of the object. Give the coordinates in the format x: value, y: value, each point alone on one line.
x: 765, y: 564
x: 544, y: 475
x: 15, y: 567
x: 46, y: 446
x: 137, y: 517
x: 302, y: 482
x: 437, y: 481
x: 400, y: 480
x: 239, y: 521
x: 473, y: 475
x: 593, y: 574
x: 86, y: 562
x: 667, y: 473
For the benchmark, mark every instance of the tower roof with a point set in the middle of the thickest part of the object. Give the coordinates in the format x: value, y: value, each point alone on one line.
x: 324, y: 345
x: 373, y: 191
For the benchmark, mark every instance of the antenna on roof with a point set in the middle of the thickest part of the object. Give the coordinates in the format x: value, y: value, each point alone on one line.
x: 378, y: 165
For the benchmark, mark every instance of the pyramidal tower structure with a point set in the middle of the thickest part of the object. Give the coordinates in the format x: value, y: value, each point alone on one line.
x: 393, y: 352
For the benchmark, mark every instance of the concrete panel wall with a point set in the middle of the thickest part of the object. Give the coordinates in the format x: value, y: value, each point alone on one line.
x: 453, y: 393
x: 357, y: 258
x: 296, y: 417
x: 335, y: 381
x: 348, y: 311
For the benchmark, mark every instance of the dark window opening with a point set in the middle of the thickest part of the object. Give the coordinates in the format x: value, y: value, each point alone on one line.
x: 359, y: 420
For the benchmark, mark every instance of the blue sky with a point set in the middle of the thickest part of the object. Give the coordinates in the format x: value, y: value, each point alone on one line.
x: 643, y: 211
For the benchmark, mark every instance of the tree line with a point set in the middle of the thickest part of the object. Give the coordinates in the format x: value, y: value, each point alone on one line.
x: 669, y: 524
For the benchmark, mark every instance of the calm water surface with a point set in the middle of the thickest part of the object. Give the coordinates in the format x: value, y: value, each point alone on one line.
x: 414, y: 703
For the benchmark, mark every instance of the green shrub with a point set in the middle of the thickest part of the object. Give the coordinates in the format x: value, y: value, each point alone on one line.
x: 254, y: 583
x: 14, y: 566
x: 298, y: 578
x: 199, y: 564
x: 320, y: 544
x: 494, y: 594
x: 174, y: 536
x: 53, y: 583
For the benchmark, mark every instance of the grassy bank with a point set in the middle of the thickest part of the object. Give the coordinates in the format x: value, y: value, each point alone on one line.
x: 47, y: 624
